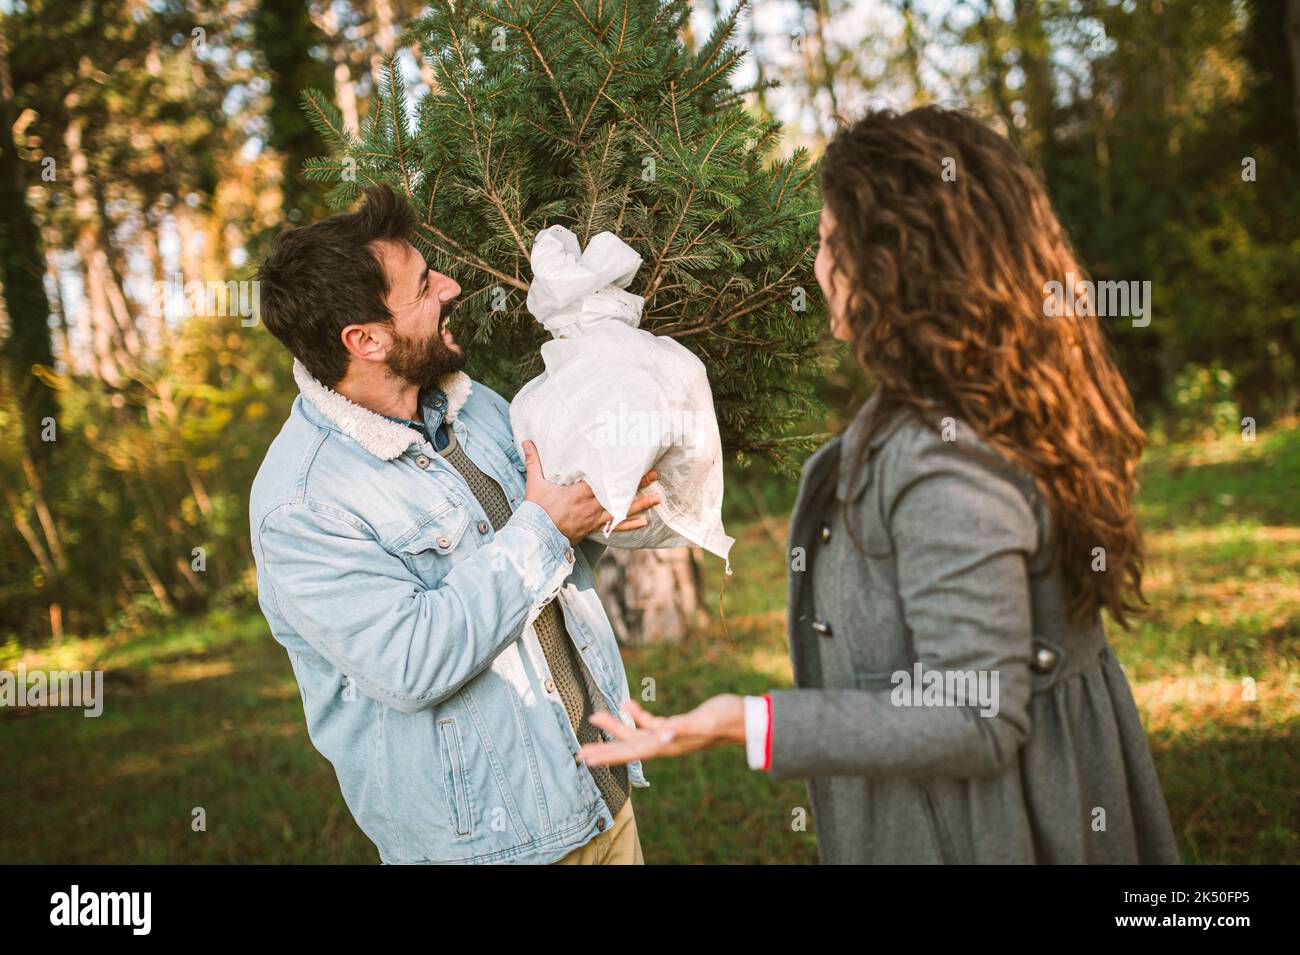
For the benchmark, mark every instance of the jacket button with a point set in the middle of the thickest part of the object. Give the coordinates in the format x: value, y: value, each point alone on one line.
x: 822, y: 627
x: 483, y: 527
x: 600, y: 824
x: 568, y: 555
x: 1045, y: 659
x: 443, y: 541
x: 826, y: 533
x: 550, y: 686
x: 422, y: 461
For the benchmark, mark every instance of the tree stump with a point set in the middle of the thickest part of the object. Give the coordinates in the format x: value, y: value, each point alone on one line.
x: 651, y: 596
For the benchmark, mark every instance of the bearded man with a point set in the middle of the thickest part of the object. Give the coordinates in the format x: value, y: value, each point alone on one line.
x: 434, y: 592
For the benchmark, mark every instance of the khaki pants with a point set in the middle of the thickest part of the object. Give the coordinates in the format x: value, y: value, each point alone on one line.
x: 619, y: 846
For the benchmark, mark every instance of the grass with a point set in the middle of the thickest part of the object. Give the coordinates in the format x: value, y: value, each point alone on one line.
x: 205, y: 714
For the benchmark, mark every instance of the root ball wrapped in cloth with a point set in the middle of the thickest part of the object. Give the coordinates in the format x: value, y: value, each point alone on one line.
x: 616, y: 400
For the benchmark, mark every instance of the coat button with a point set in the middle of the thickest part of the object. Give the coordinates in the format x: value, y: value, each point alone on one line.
x: 443, y: 541
x: 600, y: 824
x: 550, y: 686
x: 483, y: 527
x: 822, y: 627
x: 826, y: 533
x: 422, y: 461
x: 1045, y: 659
x: 568, y: 555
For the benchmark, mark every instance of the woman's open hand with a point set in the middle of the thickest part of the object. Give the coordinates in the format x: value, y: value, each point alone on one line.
x: 715, y: 722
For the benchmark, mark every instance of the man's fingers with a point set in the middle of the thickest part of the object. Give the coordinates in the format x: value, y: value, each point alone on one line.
x: 644, y: 503
x: 631, y: 524
x: 648, y: 478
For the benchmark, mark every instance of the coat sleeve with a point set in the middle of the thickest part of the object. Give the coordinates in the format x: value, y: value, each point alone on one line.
x: 962, y: 536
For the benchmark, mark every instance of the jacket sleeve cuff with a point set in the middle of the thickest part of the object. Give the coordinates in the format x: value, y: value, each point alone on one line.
x: 758, y: 731
x: 556, y: 551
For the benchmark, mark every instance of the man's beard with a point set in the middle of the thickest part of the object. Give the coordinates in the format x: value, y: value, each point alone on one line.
x: 424, y: 363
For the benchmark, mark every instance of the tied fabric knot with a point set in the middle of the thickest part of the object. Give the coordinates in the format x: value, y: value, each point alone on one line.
x: 574, y: 289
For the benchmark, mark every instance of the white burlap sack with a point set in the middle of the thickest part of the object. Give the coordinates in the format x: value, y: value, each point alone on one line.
x: 615, y: 400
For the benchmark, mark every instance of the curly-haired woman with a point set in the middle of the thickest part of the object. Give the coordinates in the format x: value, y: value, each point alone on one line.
x: 955, y: 699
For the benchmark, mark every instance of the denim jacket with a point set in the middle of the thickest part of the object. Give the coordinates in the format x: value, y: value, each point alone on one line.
x: 409, y: 625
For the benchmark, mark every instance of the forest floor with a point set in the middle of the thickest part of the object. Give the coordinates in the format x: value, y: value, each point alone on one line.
x: 206, y: 713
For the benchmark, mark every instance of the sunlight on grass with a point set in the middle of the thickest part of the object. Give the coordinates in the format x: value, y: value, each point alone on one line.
x: 206, y: 712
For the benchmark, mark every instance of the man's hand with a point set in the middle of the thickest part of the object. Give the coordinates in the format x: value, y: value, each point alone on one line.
x: 573, y: 507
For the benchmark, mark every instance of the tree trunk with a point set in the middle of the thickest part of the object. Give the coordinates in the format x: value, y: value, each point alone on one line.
x: 824, y: 60
x: 51, y: 239
x: 159, y: 335
x: 284, y: 32
x: 384, y: 38
x: 1293, y: 44
x: 345, y: 87
x: 115, y: 260
x: 990, y: 27
x: 1039, y: 89
x: 22, y: 272
x: 651, y: 596
x: 761, y: 96
x: 912, y: 52
x: 106, y: 344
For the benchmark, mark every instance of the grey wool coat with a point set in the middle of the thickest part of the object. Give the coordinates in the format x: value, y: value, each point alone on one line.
x: 955, y: 576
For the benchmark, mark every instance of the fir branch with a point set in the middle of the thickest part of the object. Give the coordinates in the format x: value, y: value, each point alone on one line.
x: 494, y: 196
x: 655, y: 276
x: 326, y: 119
x: 613, y: 66
x: 596, y: 181
x: 541, y: 59
x: 721, y: 136
x: 716, y: 42
x: 725, y: 67
x: 394, y: 98
x: 577, y: 6
x: 672, y: 99
x: 465, y: 257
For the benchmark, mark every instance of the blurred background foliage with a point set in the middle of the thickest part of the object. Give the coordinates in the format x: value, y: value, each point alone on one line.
x: 146, y: 141
x: 151, y: 141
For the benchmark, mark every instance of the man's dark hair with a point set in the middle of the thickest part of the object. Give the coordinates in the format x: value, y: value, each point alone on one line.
x: 318, y: 279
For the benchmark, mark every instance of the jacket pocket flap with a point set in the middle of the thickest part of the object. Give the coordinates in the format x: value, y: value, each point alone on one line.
x: 440, y: 532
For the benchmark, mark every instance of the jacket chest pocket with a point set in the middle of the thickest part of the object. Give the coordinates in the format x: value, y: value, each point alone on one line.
x: 435, y: 546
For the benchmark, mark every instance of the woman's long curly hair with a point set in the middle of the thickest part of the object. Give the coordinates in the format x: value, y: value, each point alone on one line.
x: 947, y: 278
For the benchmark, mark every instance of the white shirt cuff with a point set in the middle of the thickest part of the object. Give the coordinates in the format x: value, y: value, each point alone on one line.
x: 756, y: 729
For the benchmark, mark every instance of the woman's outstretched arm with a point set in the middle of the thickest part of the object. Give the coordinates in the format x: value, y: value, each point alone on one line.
x: 962, y: 536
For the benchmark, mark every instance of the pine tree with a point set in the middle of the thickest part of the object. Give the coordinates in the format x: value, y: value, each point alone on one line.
x: 592, y: 114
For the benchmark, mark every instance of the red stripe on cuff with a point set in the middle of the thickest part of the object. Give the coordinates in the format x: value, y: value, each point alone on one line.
x: 767, y: 745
